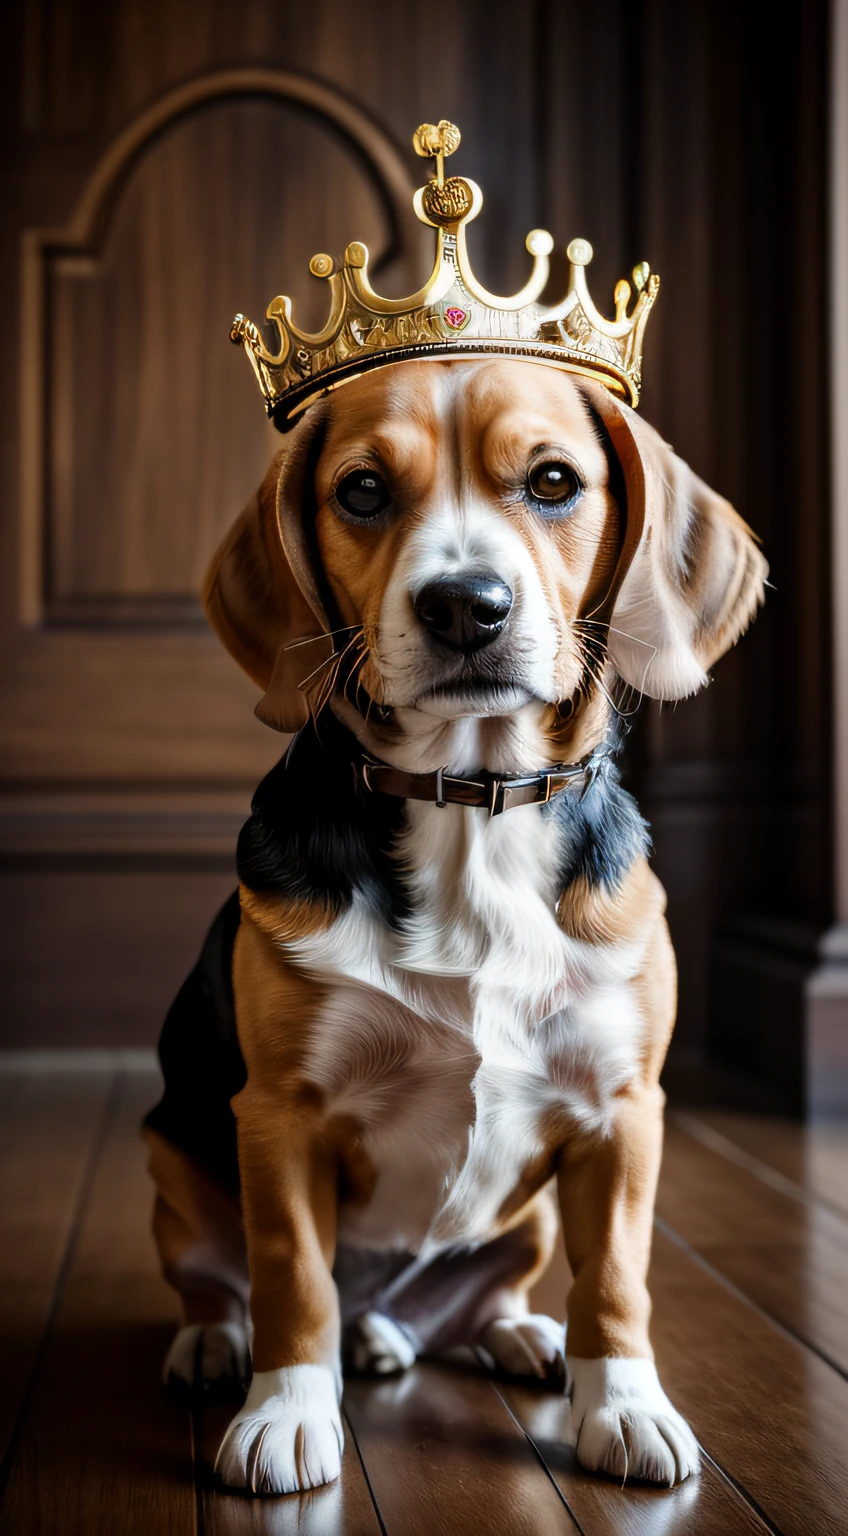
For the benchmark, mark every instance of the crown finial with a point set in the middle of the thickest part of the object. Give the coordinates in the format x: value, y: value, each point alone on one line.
x: 452, y: 315
x: 443, y: 200
x: 437, y: 141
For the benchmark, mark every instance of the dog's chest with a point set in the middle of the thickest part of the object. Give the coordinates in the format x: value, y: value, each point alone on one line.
x: 458, y: 1045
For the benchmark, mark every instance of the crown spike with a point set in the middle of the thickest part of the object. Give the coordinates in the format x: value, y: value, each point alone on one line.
x: 539, y: 243
x: 452, y: 315
x: 580, y: 253
x: 437, y: 285
x: 621, y: 298
x: 279, y: 310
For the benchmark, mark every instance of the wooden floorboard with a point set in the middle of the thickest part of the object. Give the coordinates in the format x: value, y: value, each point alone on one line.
x: 708, y: 1505
x: 85, y: 1319
x: 101, y: 1452
x: 445, y: 1457
x: 767, y: 1409
x: 344, y: 1508
x: 49, y: 1131
x: 788, y: 1255
x: 704, y: 1506
x: 813, y: 1157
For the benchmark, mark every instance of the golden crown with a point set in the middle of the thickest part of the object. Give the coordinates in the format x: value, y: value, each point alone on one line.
x: 453, y: 315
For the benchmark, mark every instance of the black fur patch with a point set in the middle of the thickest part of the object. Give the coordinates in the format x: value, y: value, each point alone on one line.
x: 311, y: 835
x: 601, y: 830
x: 314, y: 835
x: 201, y: 1058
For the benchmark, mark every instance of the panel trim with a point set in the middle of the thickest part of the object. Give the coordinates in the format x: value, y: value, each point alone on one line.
x: 84, y: 1058
x: 98, y: 826
x: 81, y: 241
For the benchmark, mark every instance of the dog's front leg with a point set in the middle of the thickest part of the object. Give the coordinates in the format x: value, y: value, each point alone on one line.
x: 624, y: 1422
x: 288, y: 1435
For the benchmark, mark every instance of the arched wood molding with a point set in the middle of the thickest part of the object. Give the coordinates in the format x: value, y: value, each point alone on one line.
x: 84, y: 236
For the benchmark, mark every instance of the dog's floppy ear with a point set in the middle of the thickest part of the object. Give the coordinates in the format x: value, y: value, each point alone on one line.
x: 261, y: 598
x: 691, y: 575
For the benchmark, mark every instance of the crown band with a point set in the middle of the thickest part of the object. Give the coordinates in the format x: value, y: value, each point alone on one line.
x: 452, y: 315
x: 287, y: 411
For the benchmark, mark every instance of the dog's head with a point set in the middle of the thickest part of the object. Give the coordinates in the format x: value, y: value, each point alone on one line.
x: 481, y: 539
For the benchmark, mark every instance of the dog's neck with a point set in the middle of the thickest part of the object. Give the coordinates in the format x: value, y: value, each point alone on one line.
x: 530, y: 740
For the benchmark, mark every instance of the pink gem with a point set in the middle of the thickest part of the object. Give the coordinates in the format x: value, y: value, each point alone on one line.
x: 456, y: 318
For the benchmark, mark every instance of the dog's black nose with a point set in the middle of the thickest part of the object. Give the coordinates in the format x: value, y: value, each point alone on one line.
x: 465, y: 612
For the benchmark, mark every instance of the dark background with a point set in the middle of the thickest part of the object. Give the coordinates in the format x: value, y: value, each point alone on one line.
x: 693, y: 136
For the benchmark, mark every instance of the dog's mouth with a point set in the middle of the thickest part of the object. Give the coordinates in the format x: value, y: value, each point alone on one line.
x: 474, y: 696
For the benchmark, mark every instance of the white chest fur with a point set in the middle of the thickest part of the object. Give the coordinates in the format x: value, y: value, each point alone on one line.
x: 453, y: 1042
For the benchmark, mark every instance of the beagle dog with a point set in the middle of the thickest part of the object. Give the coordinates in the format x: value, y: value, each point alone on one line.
x: 446, y: 986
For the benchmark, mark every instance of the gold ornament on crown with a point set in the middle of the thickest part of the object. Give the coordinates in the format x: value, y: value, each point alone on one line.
x: 453, y: 315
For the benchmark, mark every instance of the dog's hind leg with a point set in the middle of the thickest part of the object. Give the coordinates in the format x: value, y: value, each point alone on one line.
x: 473, y: 1296
x: 198, y: 1232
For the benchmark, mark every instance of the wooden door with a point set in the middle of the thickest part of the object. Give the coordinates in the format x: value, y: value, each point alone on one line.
x: 129, y: 743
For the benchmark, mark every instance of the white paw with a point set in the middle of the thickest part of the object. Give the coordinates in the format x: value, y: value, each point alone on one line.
x: 208, y: 1354
x: 625, y: 1424
x: 527, y: 1346
x: 288, y: 1436
x: 375, y: 1345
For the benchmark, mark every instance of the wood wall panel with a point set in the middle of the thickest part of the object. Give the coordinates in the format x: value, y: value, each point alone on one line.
x: 155, y: 430
x: 94, y: 956
x: 91, y: 67
x: 590, y: 171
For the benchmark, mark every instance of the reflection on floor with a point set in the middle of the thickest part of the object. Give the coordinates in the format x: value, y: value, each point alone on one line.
x: 750, y: 1287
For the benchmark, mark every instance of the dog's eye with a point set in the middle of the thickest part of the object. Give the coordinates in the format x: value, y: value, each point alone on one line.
x: 552, y: 483
x: 363, y: 494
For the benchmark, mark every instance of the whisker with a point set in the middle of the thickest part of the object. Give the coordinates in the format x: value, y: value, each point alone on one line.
x: 627, y: 636
x: 328, y: 660
x: 610, y: 700
x: 642, y: 602
x: 315, y: 695
x: 360, y: 689
x: 328, y: 635
x: 591, y: 662
x: 328, y: 684
x: 355, y: 669
x: 614, y: 631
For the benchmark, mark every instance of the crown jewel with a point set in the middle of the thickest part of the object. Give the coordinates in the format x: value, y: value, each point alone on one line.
x: 452, y: 315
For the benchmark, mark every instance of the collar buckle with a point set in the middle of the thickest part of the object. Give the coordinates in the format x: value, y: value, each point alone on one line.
x: 496, y: 796
x: 441, y: 802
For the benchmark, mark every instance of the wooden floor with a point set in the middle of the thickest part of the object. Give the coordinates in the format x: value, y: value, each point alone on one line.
x: 750, y: 1287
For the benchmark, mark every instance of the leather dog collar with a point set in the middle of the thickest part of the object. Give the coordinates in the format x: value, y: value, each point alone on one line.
x: 496, y: 794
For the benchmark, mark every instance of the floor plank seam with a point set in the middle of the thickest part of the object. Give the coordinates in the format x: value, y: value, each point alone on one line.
x: 371, y: 1494
x: 86, y: 1183
x: 538, y: 1453
x: 743, y: 1493
x: 196, y: 1438
x: 723, y: 1146
x: 736, y: 1290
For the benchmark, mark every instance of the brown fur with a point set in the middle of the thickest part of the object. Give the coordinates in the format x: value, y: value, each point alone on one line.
x: 199, y: 1234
